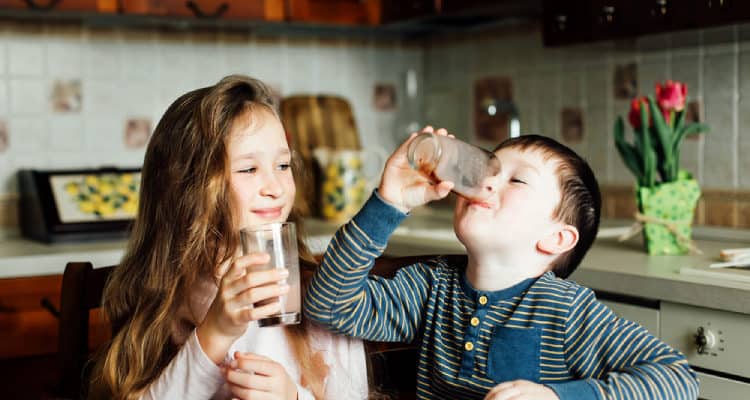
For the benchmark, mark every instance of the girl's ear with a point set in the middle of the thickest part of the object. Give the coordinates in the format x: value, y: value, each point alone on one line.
x: 559, y: 241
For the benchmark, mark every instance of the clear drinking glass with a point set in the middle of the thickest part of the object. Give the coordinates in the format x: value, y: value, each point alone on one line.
x: 279, y: 240
x: 443, y: 158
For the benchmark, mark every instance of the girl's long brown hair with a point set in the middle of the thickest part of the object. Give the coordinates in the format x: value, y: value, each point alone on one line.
x: 184, y: 229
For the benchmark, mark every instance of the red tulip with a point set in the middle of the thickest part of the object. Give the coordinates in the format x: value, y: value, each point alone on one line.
x: 634, y: 116
x: 671, y: 96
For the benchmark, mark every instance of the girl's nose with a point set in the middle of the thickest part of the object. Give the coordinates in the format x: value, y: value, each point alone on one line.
x: 271, y: 186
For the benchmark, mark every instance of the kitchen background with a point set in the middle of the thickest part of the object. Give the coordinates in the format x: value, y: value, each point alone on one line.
x: 77, y: 96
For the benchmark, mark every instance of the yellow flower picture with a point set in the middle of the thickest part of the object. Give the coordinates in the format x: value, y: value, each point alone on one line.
x: 92, y: 197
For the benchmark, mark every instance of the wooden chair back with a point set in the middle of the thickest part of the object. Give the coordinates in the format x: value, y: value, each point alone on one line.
x: 81, y: 292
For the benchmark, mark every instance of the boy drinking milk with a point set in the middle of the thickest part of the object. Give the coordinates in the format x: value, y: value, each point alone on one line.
x: 506, y: 325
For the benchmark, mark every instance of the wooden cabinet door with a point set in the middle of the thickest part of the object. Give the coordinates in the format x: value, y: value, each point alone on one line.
x: 61, y: 5
x: 269, y: 10
x: 27, y: 328
x: 345, y: 12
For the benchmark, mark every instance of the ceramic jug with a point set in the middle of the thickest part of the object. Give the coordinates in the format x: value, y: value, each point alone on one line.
x: 345, y: 183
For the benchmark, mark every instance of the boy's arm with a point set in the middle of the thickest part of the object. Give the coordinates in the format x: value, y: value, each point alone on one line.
x: 344, y: 299
x: 618, y: 359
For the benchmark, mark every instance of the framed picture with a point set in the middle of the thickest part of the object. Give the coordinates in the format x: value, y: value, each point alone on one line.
x: 67, y: 205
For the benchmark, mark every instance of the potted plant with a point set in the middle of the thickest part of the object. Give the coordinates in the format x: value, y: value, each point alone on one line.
x: 666, y: 195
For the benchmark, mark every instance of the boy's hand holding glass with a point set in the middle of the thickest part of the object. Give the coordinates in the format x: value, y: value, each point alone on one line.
x: 406, y: 188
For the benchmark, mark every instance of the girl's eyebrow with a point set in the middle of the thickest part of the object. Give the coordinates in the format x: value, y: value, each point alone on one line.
x: 254, y: 154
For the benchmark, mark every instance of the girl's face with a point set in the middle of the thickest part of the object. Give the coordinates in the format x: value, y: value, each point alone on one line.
x: 260, y: 160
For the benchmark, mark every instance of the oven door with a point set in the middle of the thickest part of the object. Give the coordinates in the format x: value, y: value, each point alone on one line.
x: 715, y: 344
x: 718, y: 388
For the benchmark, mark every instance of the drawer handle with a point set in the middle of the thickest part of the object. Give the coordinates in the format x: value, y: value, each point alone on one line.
x: 34, y: 6
x: 195, y: 8
x: 47, y: 305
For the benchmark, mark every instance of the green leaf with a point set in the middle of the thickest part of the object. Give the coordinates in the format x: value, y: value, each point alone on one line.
x: 664, y: 136
x: 647, y: 151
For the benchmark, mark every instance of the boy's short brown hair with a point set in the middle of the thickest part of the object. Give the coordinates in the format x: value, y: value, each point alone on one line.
x: 580, y: 200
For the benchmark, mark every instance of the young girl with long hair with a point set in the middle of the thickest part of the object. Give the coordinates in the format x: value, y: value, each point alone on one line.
x: 180, y: 302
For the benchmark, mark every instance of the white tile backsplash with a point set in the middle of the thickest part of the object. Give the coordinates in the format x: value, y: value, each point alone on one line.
x: 26, y: 56
x: 139, y: 73
x: 66, y: 133
x: 3, y: 97
x: 103, y: 54
x: 29, y: 96
x: 28, y: 136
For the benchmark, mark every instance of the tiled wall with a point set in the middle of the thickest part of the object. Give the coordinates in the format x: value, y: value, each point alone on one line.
x: 714, y: 63
x: 136, y: 74
x: 127, y: 74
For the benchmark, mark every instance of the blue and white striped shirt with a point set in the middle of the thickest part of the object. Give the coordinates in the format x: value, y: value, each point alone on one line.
x: 546, y: 330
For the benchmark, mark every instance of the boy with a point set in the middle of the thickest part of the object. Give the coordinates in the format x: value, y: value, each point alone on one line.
x: 505, y: 325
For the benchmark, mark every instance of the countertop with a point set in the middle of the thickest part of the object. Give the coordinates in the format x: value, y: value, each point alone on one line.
x: 612, y: 266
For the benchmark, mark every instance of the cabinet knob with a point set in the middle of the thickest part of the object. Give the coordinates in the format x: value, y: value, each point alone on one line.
x: 608, y: 14
x: 704, y: 340
x: 561, y: 21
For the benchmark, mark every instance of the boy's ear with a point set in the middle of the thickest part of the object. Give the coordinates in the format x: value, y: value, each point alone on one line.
x: 559, y: 241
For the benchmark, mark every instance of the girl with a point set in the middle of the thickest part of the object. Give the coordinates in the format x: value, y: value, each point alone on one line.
x: 180, y: 302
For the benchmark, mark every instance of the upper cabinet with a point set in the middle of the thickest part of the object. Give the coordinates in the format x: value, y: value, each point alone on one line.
x: 575, y: 21
x: 269, y: 10
x: 346, y: 12
x: 62, y: 5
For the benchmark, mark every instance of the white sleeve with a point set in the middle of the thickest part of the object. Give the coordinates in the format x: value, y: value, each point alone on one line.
x: 190, y: 375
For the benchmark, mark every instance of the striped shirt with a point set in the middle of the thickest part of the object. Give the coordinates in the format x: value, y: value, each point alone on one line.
x: 546, y: 330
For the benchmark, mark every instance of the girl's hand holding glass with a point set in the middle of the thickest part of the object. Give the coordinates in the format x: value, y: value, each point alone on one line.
x: 242, y: 297
x: 251, y: 376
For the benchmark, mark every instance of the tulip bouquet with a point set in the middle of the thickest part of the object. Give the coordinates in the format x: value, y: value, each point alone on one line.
x: 666, y: 194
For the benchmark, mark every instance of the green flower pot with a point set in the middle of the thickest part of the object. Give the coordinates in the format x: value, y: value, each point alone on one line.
x: 669, y: 204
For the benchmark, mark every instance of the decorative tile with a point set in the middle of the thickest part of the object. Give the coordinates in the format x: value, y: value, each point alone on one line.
x: 66, y: 96
x: 384, y: 97
x: 4, y: 139
x: 571, y: 122
x: 625, y: 81
x: 137, y: 132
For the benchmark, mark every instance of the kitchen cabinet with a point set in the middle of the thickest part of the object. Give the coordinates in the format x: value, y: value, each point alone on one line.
x: 29, y: 329
x: 345, y: 12
x: 269, y: 10
x: 589, y: 20
x: 62, y: 5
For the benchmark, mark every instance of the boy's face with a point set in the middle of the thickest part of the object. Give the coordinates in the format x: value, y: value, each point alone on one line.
x: 518, y: 213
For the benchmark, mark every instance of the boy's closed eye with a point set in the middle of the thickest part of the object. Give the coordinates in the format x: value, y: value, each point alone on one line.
x: 517, y: 180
